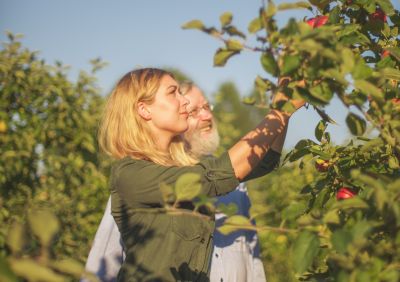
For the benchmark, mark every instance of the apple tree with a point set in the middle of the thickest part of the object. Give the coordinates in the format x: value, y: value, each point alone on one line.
x: 51, y: 176
x: 347, y: 225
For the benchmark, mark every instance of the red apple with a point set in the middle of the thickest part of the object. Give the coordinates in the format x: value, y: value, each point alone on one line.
x: 396, y: 101
x: 385, y: 53
x: 378, y: 15
x: 344, y: 193
x: 322, y: 165
x: 320, y: 20
x: 317, y: 21
x: 311, y: 22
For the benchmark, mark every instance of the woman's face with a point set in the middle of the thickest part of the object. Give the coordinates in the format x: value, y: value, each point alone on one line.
x: 168, y: 111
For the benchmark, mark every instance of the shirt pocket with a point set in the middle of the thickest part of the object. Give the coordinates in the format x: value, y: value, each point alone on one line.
x: 187, y: 227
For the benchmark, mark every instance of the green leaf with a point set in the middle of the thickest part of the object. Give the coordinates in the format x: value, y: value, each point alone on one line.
x: 352, y: 203
x: 270, y: 10
x: 43, y: 224
x: 394, y: 31
x: 233, y: 31
x: 386, y: 6
x: 361, y: 70
x: 255, y: 25
x: 262, y: 85
x: 6, y: 274
x: 393, y: 162
x: 234, y: 45
x: 194, y: 24
x: 16, y: 237
x: 296, y: 5
x: 69, y: 266
x: 348, y: 60
x: 334, y: 74
x: 320, y: 129
x: 331, y: 217
x: 238, y: 220
x: 340, y: 240
x: 390, y: 73
x: 305, y: 249
x: 234, y: 223
x: 395, y: 51
x: 294, y: 210
x: 369, y: 6
x: 355, y: 38
x: 222, y: 56
x: 330, y: 54
x: 368, y: 89
x: 33, y: 271
x: 249, y: 100
x: 167, y: 193
x: 269, y: 64
x: 204, y: 200
x: 360, y: 230
x: 187, y: 187
x: 304, y: 143
x: 212, y: 31
x: 297, y: 154
x: 291, y: 29
x: 368, y: 180
x: 322, y: 93
x: 381, y: 198
x: 229, y: 210
x: 287, y: 107
x: 321, y: 4
x: 324, y: 115
x: 290, y: 64
x: 334, y: 15
x: 356, y: 124
x: 348, y: 29
x: 317, y: 151
x: 226, y: 18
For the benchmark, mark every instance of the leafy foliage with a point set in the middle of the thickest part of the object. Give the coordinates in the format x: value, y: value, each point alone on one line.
x: 49, y: 160
x: 349, y: 50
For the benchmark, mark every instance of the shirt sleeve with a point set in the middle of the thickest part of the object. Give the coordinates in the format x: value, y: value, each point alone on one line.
x: 137, y: 182
x: 265, y: 166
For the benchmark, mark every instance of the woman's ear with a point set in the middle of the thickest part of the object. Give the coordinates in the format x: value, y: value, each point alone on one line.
x: 144, y: 111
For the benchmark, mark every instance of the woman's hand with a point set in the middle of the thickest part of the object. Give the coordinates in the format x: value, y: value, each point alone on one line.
x: 280, y: 97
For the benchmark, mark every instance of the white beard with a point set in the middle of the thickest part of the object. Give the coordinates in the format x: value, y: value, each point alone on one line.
x: 200, y: 145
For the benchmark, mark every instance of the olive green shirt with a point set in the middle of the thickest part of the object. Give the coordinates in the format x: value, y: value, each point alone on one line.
x: 162, y: 246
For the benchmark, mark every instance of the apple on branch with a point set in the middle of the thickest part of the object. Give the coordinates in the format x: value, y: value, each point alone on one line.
x: 317, y: 21
x: 345, y: 193
x: 385, y: 53
x: 378, y: 15
x: 322, y: 165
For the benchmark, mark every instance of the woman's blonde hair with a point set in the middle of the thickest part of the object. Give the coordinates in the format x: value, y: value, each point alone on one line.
x: 123, y: 133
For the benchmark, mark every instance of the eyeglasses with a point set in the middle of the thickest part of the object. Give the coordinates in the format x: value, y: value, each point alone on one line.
x: 196, y: 112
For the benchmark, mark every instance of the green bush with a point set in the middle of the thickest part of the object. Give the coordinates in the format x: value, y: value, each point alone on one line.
x: 49, y: 159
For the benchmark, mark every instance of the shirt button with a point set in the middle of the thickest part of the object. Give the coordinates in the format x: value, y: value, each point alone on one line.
x: 210, y: 173
x: 202, y: 240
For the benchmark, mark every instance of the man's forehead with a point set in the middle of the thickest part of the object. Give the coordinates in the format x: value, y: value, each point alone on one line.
x: 196, y: 97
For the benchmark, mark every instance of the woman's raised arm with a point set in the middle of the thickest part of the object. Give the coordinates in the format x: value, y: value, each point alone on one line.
x: 250, y: 149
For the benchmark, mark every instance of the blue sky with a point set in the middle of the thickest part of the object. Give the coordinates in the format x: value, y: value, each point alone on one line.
x: 131, y: 33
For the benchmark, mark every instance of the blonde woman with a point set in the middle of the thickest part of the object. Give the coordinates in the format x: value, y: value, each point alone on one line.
x: 141, y: 128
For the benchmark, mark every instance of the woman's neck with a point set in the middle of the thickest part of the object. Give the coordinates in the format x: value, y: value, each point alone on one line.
x: 163, y: 143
